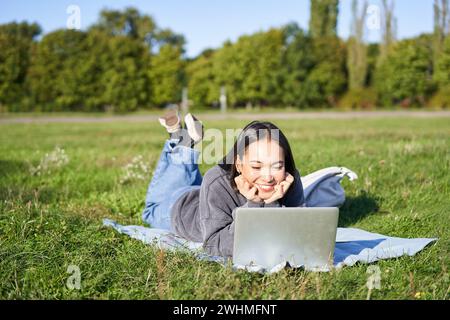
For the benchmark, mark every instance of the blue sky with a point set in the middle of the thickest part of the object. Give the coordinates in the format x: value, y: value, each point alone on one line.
x: 208, y: 23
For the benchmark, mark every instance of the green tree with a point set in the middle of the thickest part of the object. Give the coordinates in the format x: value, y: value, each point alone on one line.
x: 441, y: 30
x: 167, y: 75
x: 129, y: 23
x: 373, y: 53
x: 442, y: 70
x: 201, y: 80
x: 357, y: 50
x: 89, y: 77
x: 441, y: 98
x: 73, y: 70
x: 167, y: 36
x: 261, y: 53
x: 158, y: 76
x: 125, y: 75
x: 16, y: 42
x: 164, y: 65
x: 132, y: 24
x: 324, y: 15
x: 389, y: 29
x: 297, y: 63
x: 53, y: 72
x: 404, y: 76
x: 328, y: 79
x: 247, y: 68
x: 228, y: 72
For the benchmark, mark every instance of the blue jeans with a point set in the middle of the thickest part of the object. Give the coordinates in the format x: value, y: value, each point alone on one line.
x: 177, y: 172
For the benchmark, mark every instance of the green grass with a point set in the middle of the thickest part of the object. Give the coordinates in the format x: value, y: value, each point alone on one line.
x: 51, y: 221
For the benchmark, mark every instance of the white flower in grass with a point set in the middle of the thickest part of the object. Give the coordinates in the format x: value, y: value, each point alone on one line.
x: 135, y: 170
x: 51, y: 162
x: 367, y: 183
x: 413, y: 148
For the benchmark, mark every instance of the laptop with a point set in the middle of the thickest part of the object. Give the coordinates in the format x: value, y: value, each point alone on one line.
x: 301, y: 236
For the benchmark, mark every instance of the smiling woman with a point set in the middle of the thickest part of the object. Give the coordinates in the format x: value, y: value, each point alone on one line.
x: 262, y: 162
x: 259, y: 171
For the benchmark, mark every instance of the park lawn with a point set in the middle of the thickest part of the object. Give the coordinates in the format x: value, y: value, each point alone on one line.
x: 53, y: 220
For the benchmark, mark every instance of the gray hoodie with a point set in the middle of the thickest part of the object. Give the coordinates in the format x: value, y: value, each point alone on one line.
x: 207, y: 214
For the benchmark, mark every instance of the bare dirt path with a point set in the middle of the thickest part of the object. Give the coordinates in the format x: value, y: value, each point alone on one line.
x: 231, y: 116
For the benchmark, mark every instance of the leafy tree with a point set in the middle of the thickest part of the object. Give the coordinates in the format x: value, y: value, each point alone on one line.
x: 357, y: 50
x: 441, y: 98
x: 163, y: 65
x: 132, y: 24
x: 110, y: 66
x: 262, y: 54
x: 229, y: 72
x: 405, y: 75
x: 201, y: 80
x: 442, y: 77
x: 53, y: 71
x: 16, y: 42
x: 442, y: 70
x: 247, y: 67
x: 167, y: 75
x: 373, y: 53
x: 441, y: 30
x: 125, y: 76
x: 324, y: 15
x: 93, y: 64
x: 296, y: 64
x: 72, y: 70
x: 389, y: 29
x: 129, y: 23
x: 167, y: 36
x: 328, y: 78
x: 279, y: 67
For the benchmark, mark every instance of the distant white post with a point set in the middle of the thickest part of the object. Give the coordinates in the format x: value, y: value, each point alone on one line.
x: 223, y: 99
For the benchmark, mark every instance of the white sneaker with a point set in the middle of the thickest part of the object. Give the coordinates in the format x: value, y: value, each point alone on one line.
x: 194, y: 127
x: 171, y: 121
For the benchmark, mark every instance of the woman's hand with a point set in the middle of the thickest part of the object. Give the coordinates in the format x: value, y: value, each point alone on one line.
x: 281, y: 188
x: 250, y: 193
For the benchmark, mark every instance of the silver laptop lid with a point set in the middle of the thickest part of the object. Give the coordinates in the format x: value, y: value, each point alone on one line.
x: 300, y: 236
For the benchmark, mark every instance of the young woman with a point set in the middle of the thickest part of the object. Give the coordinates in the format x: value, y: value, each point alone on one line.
x: 259, y: 171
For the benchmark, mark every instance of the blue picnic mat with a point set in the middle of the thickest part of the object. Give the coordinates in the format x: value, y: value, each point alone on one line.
x: 352, y: 246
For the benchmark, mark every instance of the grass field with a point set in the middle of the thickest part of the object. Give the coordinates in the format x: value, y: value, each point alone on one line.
x: 51, y: 220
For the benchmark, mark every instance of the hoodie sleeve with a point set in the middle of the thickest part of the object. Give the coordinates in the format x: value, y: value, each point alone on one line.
x: 217, y: 220
x: 294, y: 196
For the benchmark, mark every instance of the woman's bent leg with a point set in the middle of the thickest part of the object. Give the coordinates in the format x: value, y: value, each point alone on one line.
x: 176, y: 172
x: 158, y: 214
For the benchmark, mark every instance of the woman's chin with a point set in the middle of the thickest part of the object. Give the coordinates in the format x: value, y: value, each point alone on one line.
x: 264, y: 195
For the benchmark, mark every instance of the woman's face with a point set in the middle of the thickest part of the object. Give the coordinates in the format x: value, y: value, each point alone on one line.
x: 263, y: 166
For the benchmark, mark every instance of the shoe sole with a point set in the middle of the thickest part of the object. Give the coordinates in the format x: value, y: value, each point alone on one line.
x: 171, y: 118
x: 194, y: 127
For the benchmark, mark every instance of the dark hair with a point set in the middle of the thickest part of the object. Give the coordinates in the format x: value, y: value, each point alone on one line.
x: 255, y: 131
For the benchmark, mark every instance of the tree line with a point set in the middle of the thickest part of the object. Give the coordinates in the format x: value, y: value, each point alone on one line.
x: 126, y: 62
